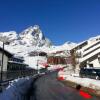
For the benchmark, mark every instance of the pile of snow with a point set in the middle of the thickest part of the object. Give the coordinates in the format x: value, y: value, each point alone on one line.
x: 54, y: 67
x: 17, y: 90
x: 86, y: 82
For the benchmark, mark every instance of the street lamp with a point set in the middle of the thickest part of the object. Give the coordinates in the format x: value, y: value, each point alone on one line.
x: 4, y: 40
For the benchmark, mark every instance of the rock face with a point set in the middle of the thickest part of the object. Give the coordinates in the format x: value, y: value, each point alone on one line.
x: 33, y: 36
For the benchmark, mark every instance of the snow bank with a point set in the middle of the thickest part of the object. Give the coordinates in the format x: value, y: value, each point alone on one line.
x: 17, y: 89
x: 54, y: 67
x: 86, y: 82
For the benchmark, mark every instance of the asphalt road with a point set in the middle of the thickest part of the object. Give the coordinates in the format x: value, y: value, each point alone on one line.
x: 47, y: 87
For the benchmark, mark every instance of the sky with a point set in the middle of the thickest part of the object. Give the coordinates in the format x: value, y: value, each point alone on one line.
x: 60, y: 20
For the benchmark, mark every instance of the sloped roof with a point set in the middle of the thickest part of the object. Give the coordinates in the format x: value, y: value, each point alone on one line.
x: 7, y: 53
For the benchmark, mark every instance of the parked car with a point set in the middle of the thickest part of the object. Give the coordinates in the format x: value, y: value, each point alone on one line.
x: 90, y: 73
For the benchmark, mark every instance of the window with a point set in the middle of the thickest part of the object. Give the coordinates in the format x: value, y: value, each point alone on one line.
x: 90, y: 65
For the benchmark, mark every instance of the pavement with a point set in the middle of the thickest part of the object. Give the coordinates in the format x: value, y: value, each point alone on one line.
x: 48, y: 87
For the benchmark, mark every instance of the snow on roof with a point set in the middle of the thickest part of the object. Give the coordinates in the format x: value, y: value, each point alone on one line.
x: 17, y: 62
x: 89, y: 40
x: 18, y: 57
x: 6, y: 52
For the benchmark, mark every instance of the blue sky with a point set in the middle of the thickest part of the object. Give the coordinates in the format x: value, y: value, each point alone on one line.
x: 60, y: 20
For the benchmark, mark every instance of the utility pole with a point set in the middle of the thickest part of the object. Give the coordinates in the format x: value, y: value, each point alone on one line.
x: 37, y: 67
x: 4, y: 40
x: 2, y: 62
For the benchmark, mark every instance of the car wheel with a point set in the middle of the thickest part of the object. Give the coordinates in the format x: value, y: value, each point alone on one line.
x: 97, y: 78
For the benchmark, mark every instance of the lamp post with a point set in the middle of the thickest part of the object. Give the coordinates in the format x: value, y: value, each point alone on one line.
x: 2, y: 62
x: 37, y: 66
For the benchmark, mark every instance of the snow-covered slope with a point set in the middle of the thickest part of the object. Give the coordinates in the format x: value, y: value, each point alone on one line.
x: 29, y: 40
x: 11, y: 35
x: 66, y: 46
x: 32, y: 36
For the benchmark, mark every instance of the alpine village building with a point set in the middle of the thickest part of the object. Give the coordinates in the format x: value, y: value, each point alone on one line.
x: 87, y: 54
x: 59, y: 57
x: 11, y: 65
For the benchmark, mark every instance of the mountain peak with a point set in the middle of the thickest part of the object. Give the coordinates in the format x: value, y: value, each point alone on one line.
x: 36, y: 27
x: 31, y: 30
x: 34, y: 36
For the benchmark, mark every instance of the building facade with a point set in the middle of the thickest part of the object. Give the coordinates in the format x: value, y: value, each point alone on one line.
x: 87, y: 53
x: 59, y: 57
x: 16, y: 63
x: 6, y: 55
x: 54, y: 60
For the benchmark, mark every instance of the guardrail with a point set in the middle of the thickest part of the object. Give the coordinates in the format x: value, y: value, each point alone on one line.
x: 7, y: 76
x: 17, y: 73
x: 11, y: 75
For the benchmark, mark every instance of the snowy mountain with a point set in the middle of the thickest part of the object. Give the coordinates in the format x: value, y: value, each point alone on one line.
x: 66, y: 46
x: 32, y: 36
x: 29, y: 40
x: 11, y: 36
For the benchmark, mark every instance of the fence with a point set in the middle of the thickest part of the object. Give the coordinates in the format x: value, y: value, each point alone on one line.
x: 10, y: 75
x: 6, y: 75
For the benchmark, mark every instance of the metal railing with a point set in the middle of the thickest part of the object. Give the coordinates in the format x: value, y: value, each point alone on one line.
x: 7, y: 76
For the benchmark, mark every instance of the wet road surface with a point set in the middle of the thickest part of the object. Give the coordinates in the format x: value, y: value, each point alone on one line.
x: 47, y: 87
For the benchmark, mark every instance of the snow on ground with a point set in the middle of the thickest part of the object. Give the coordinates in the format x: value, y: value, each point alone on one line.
x: 34, y: 61
x: 17, y: 89
x: 54, y: 67
x: 10, y: 35
x: 86, y: 82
